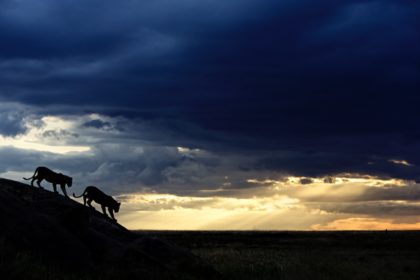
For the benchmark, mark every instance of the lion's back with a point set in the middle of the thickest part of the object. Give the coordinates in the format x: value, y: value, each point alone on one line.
x: 51, y: 176
x: 98, y: 196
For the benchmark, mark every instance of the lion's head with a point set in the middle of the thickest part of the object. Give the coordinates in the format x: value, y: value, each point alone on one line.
x: 67, y: 180
x: 117, y: 206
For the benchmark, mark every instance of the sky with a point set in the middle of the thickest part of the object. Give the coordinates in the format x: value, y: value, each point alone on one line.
x: 219, y: 115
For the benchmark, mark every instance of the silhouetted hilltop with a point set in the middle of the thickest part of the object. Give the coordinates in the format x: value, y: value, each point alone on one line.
x: 45, y: 235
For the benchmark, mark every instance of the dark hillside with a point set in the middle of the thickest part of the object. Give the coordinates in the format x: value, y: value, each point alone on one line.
x: 44, y: 235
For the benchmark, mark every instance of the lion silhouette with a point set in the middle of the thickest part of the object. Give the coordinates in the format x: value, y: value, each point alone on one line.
x: 92, y: 193
x: 43, y: 173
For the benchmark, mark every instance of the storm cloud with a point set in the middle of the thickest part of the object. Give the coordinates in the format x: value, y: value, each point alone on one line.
x: 198, y: 98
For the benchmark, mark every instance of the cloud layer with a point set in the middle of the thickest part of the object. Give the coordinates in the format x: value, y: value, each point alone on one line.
x: 215, y: 98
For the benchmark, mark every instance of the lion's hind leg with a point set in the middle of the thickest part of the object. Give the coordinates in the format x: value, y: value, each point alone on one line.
x: 38, y: 182
x: 89, y: 203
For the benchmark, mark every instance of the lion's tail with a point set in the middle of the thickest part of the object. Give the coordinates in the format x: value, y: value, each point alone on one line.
x: 80, y: 195
x: 36, y: 171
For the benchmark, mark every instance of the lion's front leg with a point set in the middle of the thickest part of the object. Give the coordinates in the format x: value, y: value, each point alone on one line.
x: 111, y: 213
x: 63, y: 189
x: 104, y: 210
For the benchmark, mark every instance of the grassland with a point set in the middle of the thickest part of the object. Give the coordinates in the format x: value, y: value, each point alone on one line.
x: 305, y: 255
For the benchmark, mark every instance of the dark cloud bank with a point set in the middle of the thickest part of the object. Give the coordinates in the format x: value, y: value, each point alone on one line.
x: 306, y: 88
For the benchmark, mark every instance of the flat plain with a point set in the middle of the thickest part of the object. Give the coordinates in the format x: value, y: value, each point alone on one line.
x: 304, y: 255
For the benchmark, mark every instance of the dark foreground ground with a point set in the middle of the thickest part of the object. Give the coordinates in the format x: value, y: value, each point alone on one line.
x: 44, y: 235
x: 304, y: 255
